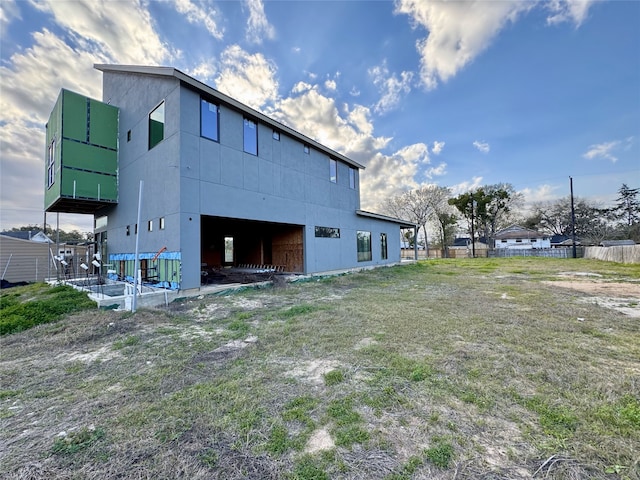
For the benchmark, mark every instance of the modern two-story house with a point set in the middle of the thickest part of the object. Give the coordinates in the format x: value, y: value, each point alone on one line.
x: 222, y: 184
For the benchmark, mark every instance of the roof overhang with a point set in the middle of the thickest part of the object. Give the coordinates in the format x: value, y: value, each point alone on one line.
x: 377, y: 216
x: 227, y: 100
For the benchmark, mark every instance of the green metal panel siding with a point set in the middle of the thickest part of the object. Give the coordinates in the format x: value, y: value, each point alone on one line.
x: 86, y: 136
x: 88, y: 157
x: 89, y: 185
x: 103, y: 122
x: 74, y: 116
x: 54, y: 127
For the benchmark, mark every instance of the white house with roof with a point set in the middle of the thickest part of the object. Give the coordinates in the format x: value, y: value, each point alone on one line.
x: 520, y: 238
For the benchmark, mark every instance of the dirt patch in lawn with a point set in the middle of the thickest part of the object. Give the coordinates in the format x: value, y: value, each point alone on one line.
x: 621, y: 296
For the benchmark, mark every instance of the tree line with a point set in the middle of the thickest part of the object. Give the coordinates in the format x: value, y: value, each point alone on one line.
x: 484, y: 211
x: 74, y: 236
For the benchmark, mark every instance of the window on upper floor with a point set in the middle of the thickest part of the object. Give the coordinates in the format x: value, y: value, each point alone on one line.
x: 383, y: 246
x: 156, y: 126
x: 150, y: 225
x: 364, y: 246
x: 352, y: 178
x: 306, y: 149
x: 209, y: 115
x: 161, y: 223
x: 250, y: 137
x: 333, y: 170
x: 51, y: 164
x: 276, y: 135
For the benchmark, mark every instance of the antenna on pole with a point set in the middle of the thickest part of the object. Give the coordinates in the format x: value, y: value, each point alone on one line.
x: 573, y: 219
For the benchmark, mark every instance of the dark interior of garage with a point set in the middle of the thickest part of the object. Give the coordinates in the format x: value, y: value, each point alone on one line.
x: 232, y: 249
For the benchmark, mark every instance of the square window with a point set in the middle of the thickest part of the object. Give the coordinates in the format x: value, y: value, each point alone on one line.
x: 307, y: 150
x: 209, y: 120
x: 364, y: 246
x: 250, y: 137
x: 156, y: 126
x: 276, y: 135
x: 333, y: 170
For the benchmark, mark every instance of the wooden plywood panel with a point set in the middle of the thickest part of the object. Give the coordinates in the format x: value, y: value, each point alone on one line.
x: 288, y: 249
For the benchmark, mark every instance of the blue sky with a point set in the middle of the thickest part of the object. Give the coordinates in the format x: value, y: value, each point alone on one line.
x: 459, y: 94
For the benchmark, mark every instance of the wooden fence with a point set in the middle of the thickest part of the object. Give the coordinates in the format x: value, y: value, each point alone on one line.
x: 618, y: 253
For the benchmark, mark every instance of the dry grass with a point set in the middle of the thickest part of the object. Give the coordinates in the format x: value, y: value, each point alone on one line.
x: 458, y: 369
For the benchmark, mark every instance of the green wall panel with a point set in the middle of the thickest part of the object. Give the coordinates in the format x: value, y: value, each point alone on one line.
x: 88, y: 184
x: 86, y: 136
x: 88, y: 157
x: 103, y: 122
x: 74, y: 116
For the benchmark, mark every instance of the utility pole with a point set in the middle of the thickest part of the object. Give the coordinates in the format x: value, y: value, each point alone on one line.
x: 473, y: 234
x: 573, y: 219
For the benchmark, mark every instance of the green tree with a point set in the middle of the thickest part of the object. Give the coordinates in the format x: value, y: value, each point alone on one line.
x: 627, y: 207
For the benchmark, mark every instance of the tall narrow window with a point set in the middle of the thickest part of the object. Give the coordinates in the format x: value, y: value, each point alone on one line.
x: 333, y: 170
x: 51, y: 164
x: 208, y: 120
x: 306, y: 149
x: 352, y: 178
x: 364, y: 246
x: 150, y: 225
x: 276, y: 135
x: 250, y: 137
x: 161, y: 223
x: 156, y: 126
x: 383, y: 246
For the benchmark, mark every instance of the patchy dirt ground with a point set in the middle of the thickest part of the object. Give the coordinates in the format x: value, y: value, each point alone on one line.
x: 621, y: 296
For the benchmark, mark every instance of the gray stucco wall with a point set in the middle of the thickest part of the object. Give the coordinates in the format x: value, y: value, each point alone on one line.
x: 186, y: 176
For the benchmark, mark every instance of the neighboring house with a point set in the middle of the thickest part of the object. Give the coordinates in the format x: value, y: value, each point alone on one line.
x: 562, y: 241
x: 517, y: 237
x: 24, y: 260
x: 462, y: 247
x: 223, y: 184
x: 31, y: 235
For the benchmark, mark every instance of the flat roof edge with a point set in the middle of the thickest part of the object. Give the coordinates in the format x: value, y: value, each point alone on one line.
x: 386, y: 218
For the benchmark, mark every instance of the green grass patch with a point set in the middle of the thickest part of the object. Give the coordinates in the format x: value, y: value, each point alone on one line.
x: 77, y: 441
x: 33, y: 305
x: 440, y: 454
x: 333, y: 377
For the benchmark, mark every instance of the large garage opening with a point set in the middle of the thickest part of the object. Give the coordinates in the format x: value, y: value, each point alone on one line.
x: 232, y: 249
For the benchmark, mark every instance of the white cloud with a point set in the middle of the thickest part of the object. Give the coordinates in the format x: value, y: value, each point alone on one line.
x: 258, y: 27
x: 603, y: 150
x: 541, y: 193
x: 8, y: 12
x: 458, y: 32
x: 200, y: 13
x: 119, y: 32
x: 482, y: 146
x: 330, y: 84
x: 437, y: 147
x: 466, y: 186
x: 438, y: 171
x: 390, y: 86
x: 249, y: 78
x: 575, y: 11
x: 205, y: 71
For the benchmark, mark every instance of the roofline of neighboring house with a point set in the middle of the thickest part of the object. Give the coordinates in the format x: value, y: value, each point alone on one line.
x: 377, y: 216
x: 235, y: 104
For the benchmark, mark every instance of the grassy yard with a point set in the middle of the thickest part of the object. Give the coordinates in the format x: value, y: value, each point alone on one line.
x: 447, y: 369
